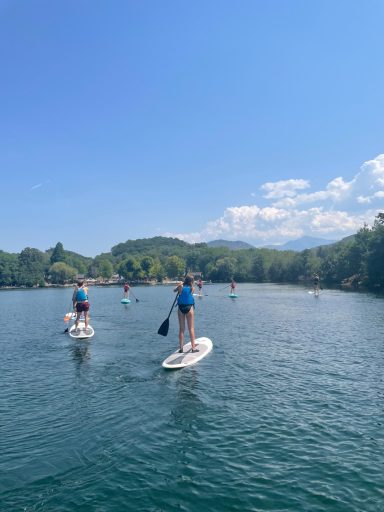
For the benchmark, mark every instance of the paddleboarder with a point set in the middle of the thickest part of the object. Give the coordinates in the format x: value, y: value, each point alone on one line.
x: 233, y: 286
x: 80, y: 302
x: 186, y: 305
x: 200, y: 286
x: 316, y: 280
x: 126, y: 291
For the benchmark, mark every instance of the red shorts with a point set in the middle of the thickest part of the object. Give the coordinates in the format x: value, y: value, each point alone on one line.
x: 82, y: 306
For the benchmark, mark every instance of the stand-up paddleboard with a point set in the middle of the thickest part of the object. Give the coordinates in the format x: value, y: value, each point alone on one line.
x: 125, y: 301
x: 81, y: 333
x: 188, y: 358
x: 232, y: 296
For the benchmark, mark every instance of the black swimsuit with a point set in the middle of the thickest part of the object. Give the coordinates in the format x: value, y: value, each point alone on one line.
x: 185, y: 308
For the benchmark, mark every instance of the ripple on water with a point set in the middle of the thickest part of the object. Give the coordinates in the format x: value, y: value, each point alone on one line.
x: 284, y: 414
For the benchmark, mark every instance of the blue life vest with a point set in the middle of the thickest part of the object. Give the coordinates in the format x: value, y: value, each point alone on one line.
x: 186, y: 296
x: 81, y: 295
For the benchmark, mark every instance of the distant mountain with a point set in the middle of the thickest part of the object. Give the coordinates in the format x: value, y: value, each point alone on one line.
x: 233, y: 245
x: 305, y: 242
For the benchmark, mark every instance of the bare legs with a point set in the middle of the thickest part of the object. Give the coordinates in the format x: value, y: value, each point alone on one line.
x: 86, y: 319
x: 78, y: 315
x: 191, y: 327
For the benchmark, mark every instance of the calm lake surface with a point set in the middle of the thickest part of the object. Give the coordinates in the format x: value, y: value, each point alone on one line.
x: 285, y: 414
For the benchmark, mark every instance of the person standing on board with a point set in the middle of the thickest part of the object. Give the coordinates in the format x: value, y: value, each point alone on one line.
x: 186, y: 304
x: 233, y: 286
x: 126, y: 291
x: 316, y: 280
x: 80, y: 302
x: 200, y: 286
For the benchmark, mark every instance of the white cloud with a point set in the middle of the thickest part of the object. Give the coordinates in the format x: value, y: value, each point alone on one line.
x: 283, y: 188
x: 336, y: 190
x: 338, y: 210
x: 34, y: 187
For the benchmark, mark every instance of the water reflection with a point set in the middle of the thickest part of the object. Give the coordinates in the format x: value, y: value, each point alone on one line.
x: 81, y: 353
x: 188, y: 407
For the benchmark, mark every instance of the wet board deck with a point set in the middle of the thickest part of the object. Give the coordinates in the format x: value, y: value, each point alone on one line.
x: 81, y: 333
x: 125, y: 301
x: 188, y: 358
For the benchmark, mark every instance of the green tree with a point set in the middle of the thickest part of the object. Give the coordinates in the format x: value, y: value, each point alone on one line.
x: 146, y: 265
x: 174, y: 266
x: 106, y: 269
x: 130, y: 268
x: 224, y: 269
x: 157, y: 270
x: 375, y: 257
x: 61, y: 273
x: 258, y: 268
x: 58, y: 253
x: 31, y: 267
x: 9, y: 264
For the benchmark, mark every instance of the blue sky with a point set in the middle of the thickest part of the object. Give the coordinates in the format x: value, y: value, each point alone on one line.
x: 254, y: 120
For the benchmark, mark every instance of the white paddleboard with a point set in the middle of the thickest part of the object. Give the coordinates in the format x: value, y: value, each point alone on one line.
x: 125, y: 301
x: 187, y: 358
x: 80, y: 333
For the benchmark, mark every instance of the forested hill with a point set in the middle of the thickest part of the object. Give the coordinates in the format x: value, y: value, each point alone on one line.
x: 234, y: 245
x: 356, y: 260
x: 157, y: 244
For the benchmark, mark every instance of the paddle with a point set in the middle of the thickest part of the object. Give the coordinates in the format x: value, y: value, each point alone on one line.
x: 137, y: 300
x: 163, y: 329
x: 68, y: 317
x: 226, y: 286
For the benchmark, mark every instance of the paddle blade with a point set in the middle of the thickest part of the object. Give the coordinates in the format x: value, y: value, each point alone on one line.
x: 164, y: 327
x: 137, y: 300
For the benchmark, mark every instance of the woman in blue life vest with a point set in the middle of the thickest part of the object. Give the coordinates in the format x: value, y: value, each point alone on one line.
x: 80, y: 302
x: 186, y: 304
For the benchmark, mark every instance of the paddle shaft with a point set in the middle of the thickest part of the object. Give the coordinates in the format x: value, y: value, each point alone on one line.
x: 173, y: 305
x: 137, y: 300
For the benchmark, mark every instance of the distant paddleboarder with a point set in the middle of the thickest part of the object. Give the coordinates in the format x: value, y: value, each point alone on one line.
x: 126, y: 291
x: 316, y: 281
x: 186, y: 305
x: 200, y: 286
x: 233, y: 286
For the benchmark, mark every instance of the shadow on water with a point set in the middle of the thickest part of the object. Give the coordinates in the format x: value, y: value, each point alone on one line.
x: 81, y: 353
x: 188, y: 408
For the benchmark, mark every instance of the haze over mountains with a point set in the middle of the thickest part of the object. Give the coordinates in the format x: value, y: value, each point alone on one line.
x: 234, y: 245
x: 305, y: 242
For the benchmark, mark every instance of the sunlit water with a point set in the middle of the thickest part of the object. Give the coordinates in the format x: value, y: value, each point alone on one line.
x: 285, y: 414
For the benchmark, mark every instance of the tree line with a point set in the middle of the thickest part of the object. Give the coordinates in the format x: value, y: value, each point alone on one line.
x: 357, y: 260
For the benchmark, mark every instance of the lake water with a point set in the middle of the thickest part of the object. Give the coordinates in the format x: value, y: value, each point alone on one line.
x: 285, y: 414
